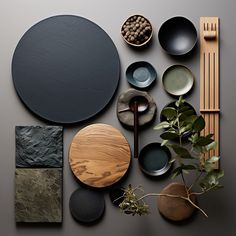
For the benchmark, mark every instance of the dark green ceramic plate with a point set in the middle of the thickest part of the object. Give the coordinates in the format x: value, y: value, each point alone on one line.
x: 141, y: 74
x: 154, y: 159
x: 178, y: 80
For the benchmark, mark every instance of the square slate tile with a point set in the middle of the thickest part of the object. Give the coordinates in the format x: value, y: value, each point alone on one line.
x: 38, y: 146
x: 38, y: 195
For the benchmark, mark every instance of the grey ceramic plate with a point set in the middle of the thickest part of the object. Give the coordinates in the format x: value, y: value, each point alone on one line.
x: 178, y: 80
x: 141, y: 74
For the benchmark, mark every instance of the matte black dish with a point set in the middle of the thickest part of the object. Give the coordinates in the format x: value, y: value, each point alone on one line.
x: 60, y: 63
x: 154, y: 159
x: 141, y: 74
x: 87, y: 206
x: 172, y: 104
x: 116, y: 196
x: 177, y: 36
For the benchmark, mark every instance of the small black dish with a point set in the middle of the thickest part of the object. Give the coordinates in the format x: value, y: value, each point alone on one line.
x: 154, y: 159
x: 141, y: 74
x: 177, y: 36
x: 172, y: 104
x: 116, y: 196
x: 87, y: 206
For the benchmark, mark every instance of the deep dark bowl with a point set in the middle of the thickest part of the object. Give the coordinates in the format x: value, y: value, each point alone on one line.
x: 154, y: 159
x: 177, y: 36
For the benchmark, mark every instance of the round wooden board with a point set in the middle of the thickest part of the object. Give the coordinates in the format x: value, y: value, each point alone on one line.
x: 99, y: 155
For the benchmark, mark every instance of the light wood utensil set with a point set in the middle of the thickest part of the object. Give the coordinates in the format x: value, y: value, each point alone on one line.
x: 209, y: 79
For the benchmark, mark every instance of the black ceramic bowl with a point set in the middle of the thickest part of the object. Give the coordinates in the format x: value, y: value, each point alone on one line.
x: 154, y: 159
x: 177, y: 36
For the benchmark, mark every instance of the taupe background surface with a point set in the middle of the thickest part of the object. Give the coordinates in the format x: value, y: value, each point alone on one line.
x: 17, y: 16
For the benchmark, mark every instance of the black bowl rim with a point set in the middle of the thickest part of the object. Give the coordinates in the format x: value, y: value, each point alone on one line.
x: 190, y: 48
x: 160, y: 171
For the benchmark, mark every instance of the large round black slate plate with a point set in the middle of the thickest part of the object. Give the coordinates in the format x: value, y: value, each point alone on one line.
x: 87, y: 206
x: 65, y: 69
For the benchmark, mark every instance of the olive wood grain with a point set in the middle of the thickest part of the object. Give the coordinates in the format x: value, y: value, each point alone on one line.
x: 99, y: 155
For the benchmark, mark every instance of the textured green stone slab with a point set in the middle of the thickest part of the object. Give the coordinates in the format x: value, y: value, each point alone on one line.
x: 38, y: 195
x: 38, y: 146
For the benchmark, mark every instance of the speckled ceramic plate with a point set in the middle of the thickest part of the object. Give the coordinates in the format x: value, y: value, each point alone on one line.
x: 141, y: 74
x: 178, y: 80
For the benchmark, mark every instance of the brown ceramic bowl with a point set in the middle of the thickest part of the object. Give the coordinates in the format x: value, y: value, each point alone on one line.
x: 140, y: 39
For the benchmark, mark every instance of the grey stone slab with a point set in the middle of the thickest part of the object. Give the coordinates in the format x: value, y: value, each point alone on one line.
x: 38, y: 146
x: 38, y: 195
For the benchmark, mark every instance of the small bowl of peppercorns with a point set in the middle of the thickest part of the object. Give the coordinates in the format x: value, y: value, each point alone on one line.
x: 137, y: 31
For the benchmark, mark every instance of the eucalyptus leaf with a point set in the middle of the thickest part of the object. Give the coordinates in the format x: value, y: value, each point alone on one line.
x: 211, y: 146
x: 162, y: 125
x: 209, y: 135
x: 177, y: 171
x: 164, y: 142
x: 211, y: 180
x: 181, y: 151
x: 213, y: 159
x: 186, y: 114
x: 180, y: 102
x: 169, y: 135
x: 169, y: 112
x: 208, y: 166
x: 203, y: 141
x: 185, y: 128
x: 190, y: 119
x: 199, y: 124
x: 183, y: 108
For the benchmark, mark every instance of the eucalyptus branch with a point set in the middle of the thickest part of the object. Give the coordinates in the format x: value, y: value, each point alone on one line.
x: 176, y: 196
x: 162, y: 194
x: 196, y: 206
x: 195, y: 181
x: 205, y: 191
x: 178, y: 121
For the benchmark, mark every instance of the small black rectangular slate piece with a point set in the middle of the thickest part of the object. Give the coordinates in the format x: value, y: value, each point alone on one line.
x: 38, y: 146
